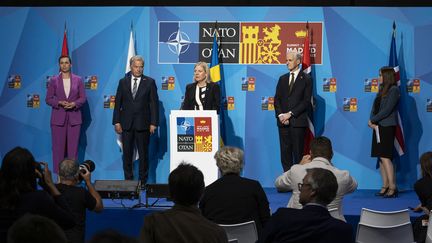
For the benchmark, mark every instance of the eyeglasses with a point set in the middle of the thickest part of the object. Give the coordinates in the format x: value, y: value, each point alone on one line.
x: 300, y: 185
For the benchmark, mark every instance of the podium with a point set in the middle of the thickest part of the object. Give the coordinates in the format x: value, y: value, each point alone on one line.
x: 194, y: 139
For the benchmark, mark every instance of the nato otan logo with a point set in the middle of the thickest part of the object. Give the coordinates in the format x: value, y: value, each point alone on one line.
x: 413, y: 86
x: 350, y: 104
x: 267, y: 103
x: 109, y: 101
x: 371, y: 85
x: 91, y: 82
x: 14, y: 81
x: 33, y: 101
x: 168, y: 83
x: 185, y: 134
x: 429, y: 105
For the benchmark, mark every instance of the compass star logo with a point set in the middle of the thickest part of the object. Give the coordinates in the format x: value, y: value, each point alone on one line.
x: 185, y: 126
x: 178, y: 42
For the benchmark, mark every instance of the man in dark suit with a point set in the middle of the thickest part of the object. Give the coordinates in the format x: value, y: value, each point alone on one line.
x: 313, y: 223
x: 292, y: 101
x: 136, y: 116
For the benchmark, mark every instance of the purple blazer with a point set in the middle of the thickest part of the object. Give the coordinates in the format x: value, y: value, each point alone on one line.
x: 56, y: 93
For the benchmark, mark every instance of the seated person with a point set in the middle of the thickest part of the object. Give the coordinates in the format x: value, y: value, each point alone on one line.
x: 233, y: 199
x: 19, y: 174
x: 35, y: 229
x: 423, y: 189
x: 79, y: 199
x: 183, y: 223
x: 321, y: 153
x: 313, y: 223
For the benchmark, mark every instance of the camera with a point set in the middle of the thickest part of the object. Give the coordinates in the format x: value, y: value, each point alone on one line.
x: 87, y: 164
x: 38, y: 167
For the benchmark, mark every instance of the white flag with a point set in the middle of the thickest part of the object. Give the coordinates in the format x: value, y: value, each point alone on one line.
x: 131, y: 53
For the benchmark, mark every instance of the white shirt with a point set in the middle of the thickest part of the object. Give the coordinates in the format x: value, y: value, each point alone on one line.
x: 289, y: 180
x: 67, y: 86
x: 296, y: 73
x: 133, y: 81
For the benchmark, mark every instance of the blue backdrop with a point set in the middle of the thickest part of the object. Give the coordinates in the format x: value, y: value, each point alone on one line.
x: 355, y: 44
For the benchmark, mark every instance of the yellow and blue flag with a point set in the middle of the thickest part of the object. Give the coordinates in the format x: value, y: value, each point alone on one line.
x: 216, y: 75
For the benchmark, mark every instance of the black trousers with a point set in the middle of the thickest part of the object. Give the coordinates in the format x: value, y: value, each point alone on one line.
x: 291, y: 141
x: 141, y: 139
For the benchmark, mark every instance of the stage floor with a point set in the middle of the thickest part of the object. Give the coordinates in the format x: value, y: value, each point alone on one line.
x: 120, y: 215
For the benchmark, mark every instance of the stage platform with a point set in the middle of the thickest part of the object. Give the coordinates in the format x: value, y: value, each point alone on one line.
x: 120, y: 215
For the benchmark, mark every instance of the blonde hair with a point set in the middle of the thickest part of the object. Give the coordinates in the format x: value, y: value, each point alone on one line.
x: 229, y: 160
x: 204, y: 65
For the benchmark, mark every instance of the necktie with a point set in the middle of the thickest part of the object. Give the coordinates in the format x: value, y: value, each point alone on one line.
x: 291, y: 83
x: 135, y: 87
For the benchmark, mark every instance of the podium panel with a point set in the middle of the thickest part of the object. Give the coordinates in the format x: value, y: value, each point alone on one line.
x: 194, y: 138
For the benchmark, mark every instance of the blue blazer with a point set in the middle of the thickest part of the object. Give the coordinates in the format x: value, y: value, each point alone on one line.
x: 386, y: 115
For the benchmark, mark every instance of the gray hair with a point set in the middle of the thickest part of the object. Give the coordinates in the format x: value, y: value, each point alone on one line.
x: 204, y: 65
x: 324, y: 183
x: 297, y: 55
x: 68, y: 169
x: 229, y: 160
x: 136, y: 58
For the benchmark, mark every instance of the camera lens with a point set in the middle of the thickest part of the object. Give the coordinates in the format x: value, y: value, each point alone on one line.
x: 89, y: 165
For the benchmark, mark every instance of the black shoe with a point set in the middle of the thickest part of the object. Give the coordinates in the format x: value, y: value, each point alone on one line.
x: 382, y: 193
x: 391, y: 193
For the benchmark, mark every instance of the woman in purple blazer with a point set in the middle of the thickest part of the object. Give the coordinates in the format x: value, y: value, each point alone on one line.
x: 66, y: 96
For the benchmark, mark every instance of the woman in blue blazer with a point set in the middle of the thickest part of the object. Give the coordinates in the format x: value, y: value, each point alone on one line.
x: 383, y: 121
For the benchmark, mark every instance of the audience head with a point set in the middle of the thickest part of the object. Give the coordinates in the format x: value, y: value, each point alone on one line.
x: 229, y: 160
x: 319, y: 186
x: 186, y: 184
x: 68, y: 169
x: 201, y: 71
x: 17, y: 176
x: 321, y: 147
x: 35, y: 229
x: 111, y: 236
x: 387, y: 79
x: 426, y: 164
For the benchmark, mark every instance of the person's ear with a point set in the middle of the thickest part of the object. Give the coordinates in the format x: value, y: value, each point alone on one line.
x: 312, y: 193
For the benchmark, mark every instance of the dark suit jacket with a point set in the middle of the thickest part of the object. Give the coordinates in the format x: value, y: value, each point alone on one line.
x: 233, y: 199
x: 180, y: 224
x: 423, y: 189
x: 298, y: 101
x: 311, y: 224
x: 142, y: 111
x: 212, y: 97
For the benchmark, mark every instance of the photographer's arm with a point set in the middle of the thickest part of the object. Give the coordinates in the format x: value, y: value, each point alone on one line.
x: 87, y: 178
x: 56, y: 206
x: 47, y: 183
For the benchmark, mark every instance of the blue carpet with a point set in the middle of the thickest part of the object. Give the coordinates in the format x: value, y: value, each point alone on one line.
x: 119, y: 215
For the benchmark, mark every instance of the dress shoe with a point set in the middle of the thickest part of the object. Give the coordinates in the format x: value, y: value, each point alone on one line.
x: 382, y: 193
x: 391, y: 193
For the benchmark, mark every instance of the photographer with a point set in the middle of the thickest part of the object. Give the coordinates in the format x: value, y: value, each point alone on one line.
x: 19, y: 195
x: 79, y: 199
